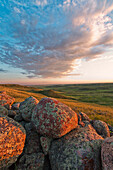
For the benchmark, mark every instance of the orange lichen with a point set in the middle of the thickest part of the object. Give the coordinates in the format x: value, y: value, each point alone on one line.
x: 12, y: 139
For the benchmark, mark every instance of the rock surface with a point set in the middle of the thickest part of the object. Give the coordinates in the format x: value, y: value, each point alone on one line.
x: 26, y: 107
x: 53, y: 119
x: 84, y: 117
x: 3, y: 110
x: 33, y: 161
x: 45, y: 143
x: 15, y: 106
x: 6, y: 99
x: 32, y: 157
x: 12, y: 139
x: 101, y: 128
x: 11, y: 113
x: 79, y: 149
x: 107, y: 154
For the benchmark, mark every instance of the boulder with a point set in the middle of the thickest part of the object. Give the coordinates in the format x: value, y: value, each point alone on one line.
x: 32, y: 140
x: 84, y: 117
x: 18, y: 117
x: 32, y: 157
x: 45, y: 143
x: 53, y: 119
x: 107, y: 154
x: 3, y: 92
x: 3, y: 110
x: 15, y: 106
x: 6, y: 100
x: 101, y: 128
x: 33, y: 161
x: 12, y: 139
x: 26, y: 107
x: 11, y: 113
x: 80, y: 149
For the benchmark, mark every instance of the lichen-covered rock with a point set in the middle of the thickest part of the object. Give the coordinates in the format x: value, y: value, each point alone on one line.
x: 101, y: 128
x: 53, y: 119
x: 3, y: 110
x: 33, y: 161
x: 84, y: 117
x: 45, y: 143
x: 15, y: 106
x: 32, y: 158
x: 79, y: 149
x: 26, y: 107
x: 107, y: 154
x: 32, y: 140
x: 11, y: 113
x: 18, y: 117
x: 6, y: 99
x: 12, y: 139
x: 3, y: 92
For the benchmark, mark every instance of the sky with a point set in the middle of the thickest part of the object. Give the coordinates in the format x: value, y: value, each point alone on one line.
x: 56, y: 41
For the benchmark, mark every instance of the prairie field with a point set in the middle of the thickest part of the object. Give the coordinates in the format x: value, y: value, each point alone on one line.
x: 96, y: 100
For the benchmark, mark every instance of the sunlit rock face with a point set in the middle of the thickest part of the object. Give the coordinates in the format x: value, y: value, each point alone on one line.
x: 12, y: 139
x: 6, y: 99
x: 53, y: 118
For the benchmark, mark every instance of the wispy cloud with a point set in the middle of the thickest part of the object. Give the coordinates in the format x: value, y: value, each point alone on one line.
x: 3, y: 71
x: 45, y: 37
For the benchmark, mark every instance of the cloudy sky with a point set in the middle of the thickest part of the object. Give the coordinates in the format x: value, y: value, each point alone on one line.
x: 56, y: 41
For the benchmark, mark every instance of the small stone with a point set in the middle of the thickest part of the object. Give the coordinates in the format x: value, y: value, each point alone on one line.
x: 101, y: 128
x: 15, y: 106
x: 3, y: 110
x: 18, y: 117
x: 26, y: 108
x: 84, y: 117
x: 11, y: 113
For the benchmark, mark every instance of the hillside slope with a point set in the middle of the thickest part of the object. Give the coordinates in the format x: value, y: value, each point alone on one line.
x: 94, y: 111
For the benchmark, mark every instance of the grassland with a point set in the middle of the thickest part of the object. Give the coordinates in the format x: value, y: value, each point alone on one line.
x: 101, y: 94
x: 96, y: 100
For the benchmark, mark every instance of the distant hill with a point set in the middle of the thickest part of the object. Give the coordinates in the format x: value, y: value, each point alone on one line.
x: 71, y: 96
x: 54, y: 94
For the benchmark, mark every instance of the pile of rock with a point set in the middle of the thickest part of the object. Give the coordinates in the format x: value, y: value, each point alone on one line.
x: 47, y: 135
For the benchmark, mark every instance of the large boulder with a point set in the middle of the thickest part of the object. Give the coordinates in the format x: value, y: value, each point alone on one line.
x: 53, y: 119
x: 101, y: 128
x: 107, y: 154
x: 6, y: 100
x: 79, y: 149
x: 12, y: 139
x: 26, y: 107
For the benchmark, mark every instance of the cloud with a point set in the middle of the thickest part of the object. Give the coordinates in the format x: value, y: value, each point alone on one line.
x: 3, y: 71
x: 45, y: 37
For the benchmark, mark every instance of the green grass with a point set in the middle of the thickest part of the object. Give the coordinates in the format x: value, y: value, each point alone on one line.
x: 101, y: 94
x: 96, y: 100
